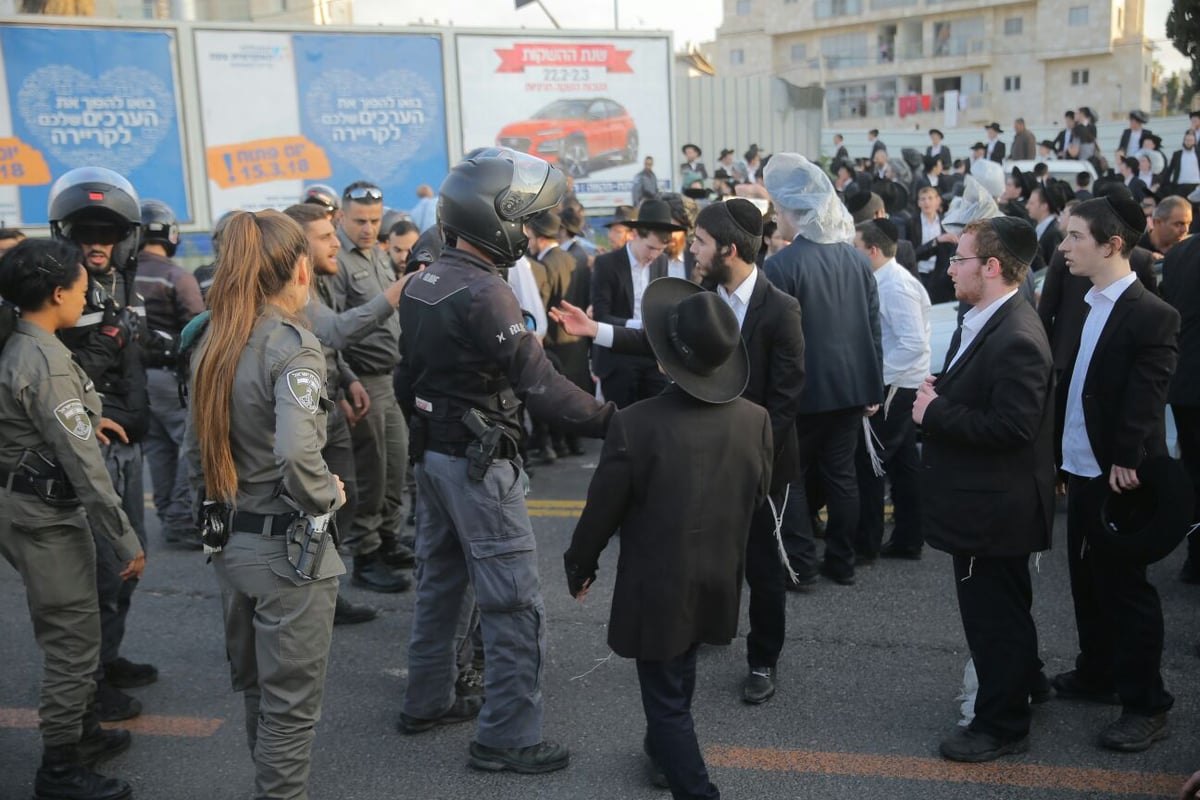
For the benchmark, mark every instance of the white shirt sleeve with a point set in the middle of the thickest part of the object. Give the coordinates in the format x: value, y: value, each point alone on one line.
x: 604, y: 334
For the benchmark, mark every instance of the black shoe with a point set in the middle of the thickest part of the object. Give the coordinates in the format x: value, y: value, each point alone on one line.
x: 124, y: 674
x: 469, y: 682
x: 74, y: 781
x: 347, y: 613
x: 891, y: 550
x: 804, y: 583
x: 393, y: 553
x: 371, y: 573
x: 113, y: 705
x: 1041, y: 691
x: 975, y: 746
x: 103, y: 744
x: 840, y: 577
x: 1069, y: 686
x: 464, y: 709
x: 759, y: 685
x: 658, y: 778
x: 1133, y: 733
x: 864, y: 559
x: 545, y: 756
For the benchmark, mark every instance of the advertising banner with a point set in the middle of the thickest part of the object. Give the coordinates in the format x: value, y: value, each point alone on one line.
x: 87, y: 98
x: 282, y: 111
x: 594, y: 106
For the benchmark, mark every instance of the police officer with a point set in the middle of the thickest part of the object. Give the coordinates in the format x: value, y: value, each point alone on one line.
x: 55, y: 481
x: 325, y: 198
x: 171, y: 296
x: 205, y: 272
x: 98, y: 210
x: 468, y: 352
x: 254, y: 350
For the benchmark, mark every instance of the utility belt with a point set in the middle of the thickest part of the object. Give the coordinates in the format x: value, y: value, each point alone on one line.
x: 37, y: 476
x: 507, y: 448
x: 307, y: 536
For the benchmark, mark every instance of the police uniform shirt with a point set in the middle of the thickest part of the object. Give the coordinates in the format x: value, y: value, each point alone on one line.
x: 361, y: 277
x: 50, y: 406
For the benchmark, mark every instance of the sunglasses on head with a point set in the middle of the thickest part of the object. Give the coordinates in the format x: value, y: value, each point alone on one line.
x: 368, y: 193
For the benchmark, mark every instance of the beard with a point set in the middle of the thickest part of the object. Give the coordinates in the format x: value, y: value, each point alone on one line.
x: 718, y: 271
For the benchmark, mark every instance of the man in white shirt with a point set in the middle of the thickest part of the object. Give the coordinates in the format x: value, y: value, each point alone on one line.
x: 1115, y: 398
x: 904, y: 325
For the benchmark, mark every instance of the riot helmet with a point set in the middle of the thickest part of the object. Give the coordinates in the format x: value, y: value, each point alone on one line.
x: 322, y: 195
x: 159, y: 226
x: 87, y: 200
x: 487, y: 199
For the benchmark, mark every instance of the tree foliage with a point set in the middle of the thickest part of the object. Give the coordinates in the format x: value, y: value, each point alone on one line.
x: 1183, y: 28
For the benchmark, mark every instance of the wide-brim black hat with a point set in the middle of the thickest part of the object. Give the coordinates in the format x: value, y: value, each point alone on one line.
x: 655, y: 215
x: 995, y: 126
x: 893, y: 194
x: 695, y: 337
x: 1046, y: 143
x: 695, y: 147
x: 1141, y: 525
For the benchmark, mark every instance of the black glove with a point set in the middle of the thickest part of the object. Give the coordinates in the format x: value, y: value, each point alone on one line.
x: 576, y: 576
x: 117, y: 324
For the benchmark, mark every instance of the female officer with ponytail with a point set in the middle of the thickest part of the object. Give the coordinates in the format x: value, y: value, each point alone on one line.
x: 52, y: 481
x: 254, y: 441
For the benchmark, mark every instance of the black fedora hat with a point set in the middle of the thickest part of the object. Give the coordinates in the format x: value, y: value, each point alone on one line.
x: 932, y: 131
x: 622, y: 215
x: 1046, y: 143
x: 725, y: 151
x: 1141, y: 525
x: 695, y: 147
x: 695, y: 337
x: 655, y: 215
x: 893, y: 194
x: 545, y: 224
x: 995, y: 126
x: 572, y: 223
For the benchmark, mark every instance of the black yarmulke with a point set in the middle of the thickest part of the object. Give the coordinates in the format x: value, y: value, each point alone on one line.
x: 1018, y: 237
x: 887, y: 228
x: 745, y: 215
x: 1128, y: 209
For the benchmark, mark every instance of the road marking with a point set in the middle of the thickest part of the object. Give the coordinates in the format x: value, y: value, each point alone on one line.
x: 149, y: 724
x: 1029, y: 776
x: 536, y: 503
x: 553, y: 512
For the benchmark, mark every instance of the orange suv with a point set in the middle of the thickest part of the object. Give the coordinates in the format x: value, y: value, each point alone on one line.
x: 577, y: 134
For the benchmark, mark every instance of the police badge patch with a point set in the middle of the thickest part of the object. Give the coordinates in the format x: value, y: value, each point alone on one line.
x: 74, y: 419
x: 305, y: 386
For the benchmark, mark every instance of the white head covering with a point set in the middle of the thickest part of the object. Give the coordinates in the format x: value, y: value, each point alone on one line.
x: 990, y: 174
x: 975, y: 203
x: 797, y: 184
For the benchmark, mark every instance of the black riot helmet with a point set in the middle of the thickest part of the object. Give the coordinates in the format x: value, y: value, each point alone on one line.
x: 88, y: 198
x: 159, y: 226
x: 487, y: 199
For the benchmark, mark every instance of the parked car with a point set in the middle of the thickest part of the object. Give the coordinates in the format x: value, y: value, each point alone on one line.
x: 577, y: 134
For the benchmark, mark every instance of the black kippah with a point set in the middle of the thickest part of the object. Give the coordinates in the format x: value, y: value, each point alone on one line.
x: 745, y: 215
x: 1017, y: 236
x: 887, y: 228
x: 1128, y: 209
x: 856, y: 200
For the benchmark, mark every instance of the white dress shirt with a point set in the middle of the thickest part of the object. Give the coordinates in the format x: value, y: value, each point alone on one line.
x: 929, y: 230
x: 676, y: 268
x: 1078, y: 456
x: 739, y: 301
x: 641, y: 279
x: 904, y: 325
x: 1189, y: 167
x: 973, y: 322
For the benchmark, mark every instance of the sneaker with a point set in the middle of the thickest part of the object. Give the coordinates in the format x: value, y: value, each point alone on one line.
x: 371, y: 573
x: 347, y: 613
x: 973, y: 746
x: 546, y: 756
x: 759, y: 685
x: 124, y: 674
x: 1069, y: 686
x: 464, y: 709
x: 103, y: 744
x: 113, y: 705
x: 469, y: 683
x: 1133, y: 733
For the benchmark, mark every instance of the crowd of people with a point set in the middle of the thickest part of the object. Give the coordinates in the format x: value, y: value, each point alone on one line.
x: 395, y: 369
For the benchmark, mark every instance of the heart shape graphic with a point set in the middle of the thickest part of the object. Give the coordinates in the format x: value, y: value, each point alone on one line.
x: 116, y: 120
x: 376, y: 126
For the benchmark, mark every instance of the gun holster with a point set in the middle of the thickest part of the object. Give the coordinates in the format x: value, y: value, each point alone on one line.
x: 307, y: 540
x: 48, y: 480
x: 214, y: 525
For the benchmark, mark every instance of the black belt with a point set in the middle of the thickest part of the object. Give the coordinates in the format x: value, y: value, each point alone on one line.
x: 21, y: 483
x: 266, y: 525
x: 506, y: 449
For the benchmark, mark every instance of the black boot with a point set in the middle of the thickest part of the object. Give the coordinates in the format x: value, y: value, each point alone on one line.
x: 393, y: 553
x: 347, y: 613
x: 63, y: 777
x: 98, y: 744
x: 113, y: 705
x: 371, y: 573
x: 125, y: 674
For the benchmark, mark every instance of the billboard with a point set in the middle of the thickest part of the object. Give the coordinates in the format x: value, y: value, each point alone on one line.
x: 595, y: 106
x: 284, y: 110
x: 77, y: 98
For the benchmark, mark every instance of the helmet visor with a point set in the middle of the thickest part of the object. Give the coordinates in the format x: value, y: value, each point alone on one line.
x: 529, y: 179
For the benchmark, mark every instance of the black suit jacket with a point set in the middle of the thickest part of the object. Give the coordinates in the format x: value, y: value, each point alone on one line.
x: 998, y: 152
x: 1049, y: 241
x: 1125, y: 390
x: 1062, y: 308
x: 612, y: 300
x: 943, y: 156
x: 876, y: 146
x: 1124, y: 146
x: 774, y: 339
x: 1181, y: 288
x: 683, y: 538
x: 987, y: 453
x: 843, y: 355
x: 937, y: 283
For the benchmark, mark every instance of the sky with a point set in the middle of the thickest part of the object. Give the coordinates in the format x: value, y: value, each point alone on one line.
x: 690, y: 20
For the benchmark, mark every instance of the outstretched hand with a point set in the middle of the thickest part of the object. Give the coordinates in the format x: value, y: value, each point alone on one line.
x: 574, y: 320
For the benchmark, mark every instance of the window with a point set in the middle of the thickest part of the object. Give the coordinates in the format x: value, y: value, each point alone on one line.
x: 1013, y: 26
x: 845, y: 50
x: 799, y: 52
x: 1079, y: 77
x: 1012, y: 83
x: 1077, y: 16
x: 837, y: 8
x: 876, y: 5
x: 959, y: 37
x: 737, y: 57
x: 844, y: 102
x: 743, y: 8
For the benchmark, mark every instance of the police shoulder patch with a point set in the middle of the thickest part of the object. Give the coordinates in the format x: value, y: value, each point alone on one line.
x: 73, y: 416
x: 305, y: 386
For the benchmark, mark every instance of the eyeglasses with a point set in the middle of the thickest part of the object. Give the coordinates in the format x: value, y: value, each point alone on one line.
x: 959, y: 259
x: 371, y: 194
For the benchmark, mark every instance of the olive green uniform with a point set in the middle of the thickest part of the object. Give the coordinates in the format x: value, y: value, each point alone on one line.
x: 277, y: 626
x: 49, y: 406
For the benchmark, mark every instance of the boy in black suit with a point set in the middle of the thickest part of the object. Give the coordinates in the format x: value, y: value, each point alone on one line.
x: 1115, y: 398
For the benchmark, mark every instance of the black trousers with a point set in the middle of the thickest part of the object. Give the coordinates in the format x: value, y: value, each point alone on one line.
x: 828, y: 442
x: 897, y: 447
x: 1187, y: 423
x: 995, y: 598
x: 766, y: 577
x: 667, y: 688
x: 1118, y: 616
x: 633, y: 379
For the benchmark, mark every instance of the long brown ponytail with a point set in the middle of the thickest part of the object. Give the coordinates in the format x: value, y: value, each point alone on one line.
x: 258, y: 257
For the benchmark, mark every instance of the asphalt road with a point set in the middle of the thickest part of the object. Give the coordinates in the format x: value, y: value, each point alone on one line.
x: 867, y: 688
